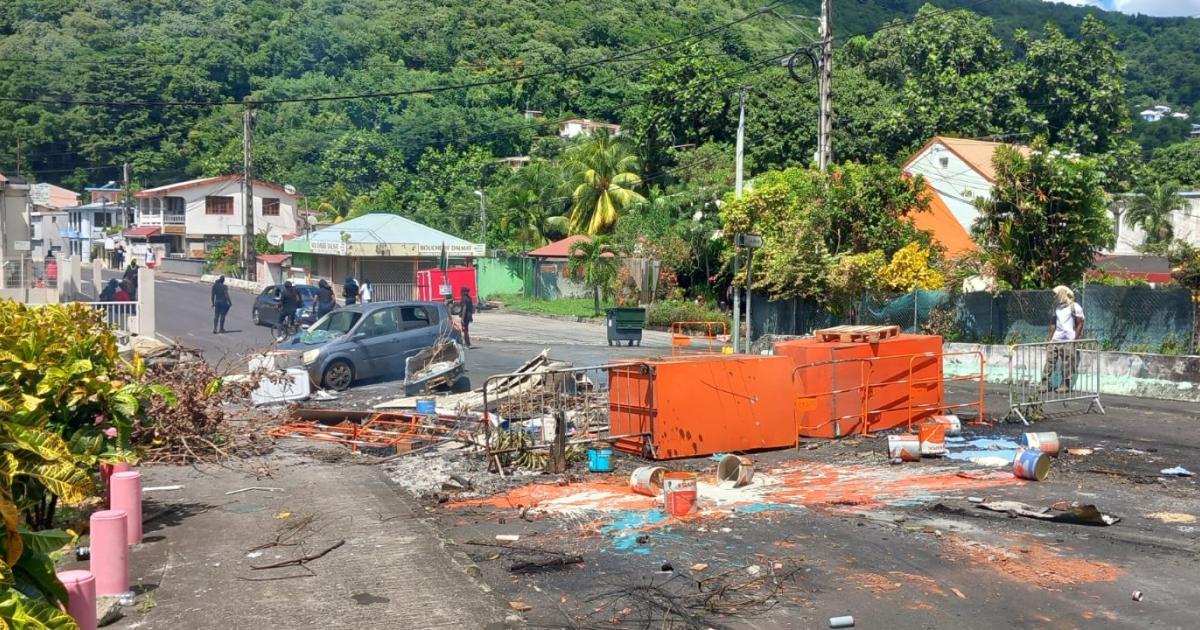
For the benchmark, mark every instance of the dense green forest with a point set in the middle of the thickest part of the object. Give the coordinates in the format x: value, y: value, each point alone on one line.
x: 90, y: 84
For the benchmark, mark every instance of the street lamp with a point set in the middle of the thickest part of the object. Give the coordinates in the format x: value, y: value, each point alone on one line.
x: 482, y: 217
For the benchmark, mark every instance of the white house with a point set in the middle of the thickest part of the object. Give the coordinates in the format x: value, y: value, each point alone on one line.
x: 48, y: 217
x: 575, y: 127
x: 1185, y: 222
x: 959, y: 171
x: 88, y: 225
x: 1156, y: 113
x: 190, y: 217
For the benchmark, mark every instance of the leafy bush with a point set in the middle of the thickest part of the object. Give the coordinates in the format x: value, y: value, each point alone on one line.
x: 910, y: 269
x: 662, y: 314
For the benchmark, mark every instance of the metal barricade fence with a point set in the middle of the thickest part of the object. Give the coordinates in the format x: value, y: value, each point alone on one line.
x: 118, y: 315
x: 1053, y: 372
x: 535, y: 410
x: 945, y: 407
x: 393, y: 292
x: 683, y: 337
x: 808, y: 402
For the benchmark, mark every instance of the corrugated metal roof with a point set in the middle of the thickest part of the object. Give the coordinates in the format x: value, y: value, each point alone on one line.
x: 385, y: 229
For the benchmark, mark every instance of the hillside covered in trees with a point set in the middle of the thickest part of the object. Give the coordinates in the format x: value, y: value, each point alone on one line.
x: 441, y: 87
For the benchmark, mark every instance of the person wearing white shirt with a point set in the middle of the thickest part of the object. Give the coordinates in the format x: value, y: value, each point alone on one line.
x: 1066, y: 324
x: 364, y: 292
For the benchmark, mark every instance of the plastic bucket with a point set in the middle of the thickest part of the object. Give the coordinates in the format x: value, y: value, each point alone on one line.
x: 648, y: 480
x: 950, y: 421
x: 600, y: 458
x: 1031, y: 464
x: 906, y: 447
x: 735, y: 471
x: 426, y: 406
x: 1045, y: 441
x: 679, y: 491
x: 933, y: 439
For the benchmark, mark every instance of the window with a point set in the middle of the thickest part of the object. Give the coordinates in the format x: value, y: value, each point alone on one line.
x: 381, y: 322
x: 270, y: 207
x: 218, y: 205
x: 414, y: 317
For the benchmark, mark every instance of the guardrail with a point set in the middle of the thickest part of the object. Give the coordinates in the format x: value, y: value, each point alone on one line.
x: 1053, y: 372
x: 682, y: 339
x: 118, y: 315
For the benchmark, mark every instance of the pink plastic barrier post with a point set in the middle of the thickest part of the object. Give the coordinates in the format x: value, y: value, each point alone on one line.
x: 110, y: 552
x: 106, y: 473
x: 81, y: 597
x: 127, y: 497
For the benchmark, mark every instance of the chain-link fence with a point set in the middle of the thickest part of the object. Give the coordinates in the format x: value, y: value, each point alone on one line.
x: 1137, y: 319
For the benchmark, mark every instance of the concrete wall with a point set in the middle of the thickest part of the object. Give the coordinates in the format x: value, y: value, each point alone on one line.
x: 500, y: 275
x: 183, y: 266
x: 1121, y: 373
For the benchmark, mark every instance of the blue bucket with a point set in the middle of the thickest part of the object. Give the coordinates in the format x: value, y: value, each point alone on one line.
x: 427, y: 406
x: 600, y: 459
x: 1031, y: 465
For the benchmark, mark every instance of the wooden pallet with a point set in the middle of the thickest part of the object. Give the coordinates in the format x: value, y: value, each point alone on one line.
x: 862, y: 334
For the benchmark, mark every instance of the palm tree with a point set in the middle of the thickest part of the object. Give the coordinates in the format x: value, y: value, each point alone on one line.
x: 1151, y: 210
x: 531, y: 206
x: 593, y: 260
x: 604, y: 175
x: 336, y: 206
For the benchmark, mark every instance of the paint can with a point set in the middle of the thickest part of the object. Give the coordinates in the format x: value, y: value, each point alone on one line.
x: 933, y: 439
x: 1045, y: 441
x: 679, y: 492
x: 735, y: 471
x: 905, y: 447
x: 426, y: 406
x: 950, y: 421
x: 648, y: 480
x: 1030, y: 464
x: 600, y: 458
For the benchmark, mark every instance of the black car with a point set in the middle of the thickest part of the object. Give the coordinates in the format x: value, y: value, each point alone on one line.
x: 266, y: 305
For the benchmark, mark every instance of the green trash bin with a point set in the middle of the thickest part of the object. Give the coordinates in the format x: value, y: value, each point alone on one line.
x: 625, y: 324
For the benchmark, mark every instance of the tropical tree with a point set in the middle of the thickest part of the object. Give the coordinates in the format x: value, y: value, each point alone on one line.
x: 337, y: 203
x: 604, y: 175
x: 1151, y: 210
x: 531, y: 206
x: 593, y: 261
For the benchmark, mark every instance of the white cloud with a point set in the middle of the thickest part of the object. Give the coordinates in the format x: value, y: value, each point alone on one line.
x: 1186, y: 8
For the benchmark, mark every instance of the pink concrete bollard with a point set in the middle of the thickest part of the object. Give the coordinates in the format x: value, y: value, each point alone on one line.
x: 127, y: 497
x: 81, y: 597
x: 110, y: 552
x: 106, y: 472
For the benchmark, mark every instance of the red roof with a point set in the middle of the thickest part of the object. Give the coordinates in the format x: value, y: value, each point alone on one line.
x: 274, y: 259
x: 145, y: 231
x: 162, y: 190
x: 560, y: 249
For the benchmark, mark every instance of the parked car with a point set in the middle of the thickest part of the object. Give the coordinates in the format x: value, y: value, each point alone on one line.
x: 265, y: 311
x: 370, y: 340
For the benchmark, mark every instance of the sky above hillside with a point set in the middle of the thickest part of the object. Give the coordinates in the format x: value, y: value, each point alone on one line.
x: 1186, y: 8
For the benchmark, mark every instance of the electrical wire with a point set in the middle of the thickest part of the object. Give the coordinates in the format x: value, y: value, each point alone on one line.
x: 409, y: 92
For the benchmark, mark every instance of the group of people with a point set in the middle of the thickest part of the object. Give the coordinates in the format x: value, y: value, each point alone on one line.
x: 355, y: 293
x: 123, y: 290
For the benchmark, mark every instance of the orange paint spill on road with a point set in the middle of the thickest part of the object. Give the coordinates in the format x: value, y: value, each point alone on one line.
x: 589, y: 495
x: 870, y: 486
x: 1033, y: 563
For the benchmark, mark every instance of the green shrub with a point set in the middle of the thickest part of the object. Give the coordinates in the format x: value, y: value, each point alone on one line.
x: 663, y: 314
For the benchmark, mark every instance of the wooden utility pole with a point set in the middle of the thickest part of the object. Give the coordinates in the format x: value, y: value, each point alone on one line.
x: 248, y: 258
x: 126, y: 195
x: 18, y: 157
x: 825, y: 79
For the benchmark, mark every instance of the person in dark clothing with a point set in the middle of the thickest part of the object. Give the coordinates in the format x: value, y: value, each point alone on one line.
x: 325, y: 301
x: 119, y: 257
x: 109, y: 294
x: 289, y: 301
x: 350, y: 290
x: 220, y: 304
x: 467, y: 312
x: 131, y: 276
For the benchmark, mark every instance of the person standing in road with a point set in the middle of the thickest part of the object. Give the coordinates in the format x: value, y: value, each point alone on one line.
x: 289, y: 301
x: 131, y: 277
x: 220, y: 304
x: 1066, y: 325
x: 350, y: 290
x: 466, y: 311
x: 325, y: 301
x: 119, y: 256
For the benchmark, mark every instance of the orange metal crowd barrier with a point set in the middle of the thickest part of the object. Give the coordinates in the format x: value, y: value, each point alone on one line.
x: 942, y: 407
x: 384, y: 433
x: 810, y: 402
x: 682, y: 340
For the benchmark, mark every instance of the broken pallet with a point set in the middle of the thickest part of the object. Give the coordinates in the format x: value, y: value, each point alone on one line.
x: 862, y: 334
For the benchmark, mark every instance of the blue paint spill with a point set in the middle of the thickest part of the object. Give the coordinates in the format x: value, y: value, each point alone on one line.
x: 757, y: 508
x: 627, y: 525
x: 968, y: 450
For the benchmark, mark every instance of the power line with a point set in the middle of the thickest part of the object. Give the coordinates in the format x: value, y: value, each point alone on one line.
x: 392, y: 94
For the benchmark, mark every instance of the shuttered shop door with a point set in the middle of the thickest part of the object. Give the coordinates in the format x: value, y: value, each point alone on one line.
x: 386, y: 271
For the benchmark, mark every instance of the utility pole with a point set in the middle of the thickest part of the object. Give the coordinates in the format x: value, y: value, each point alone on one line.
x: 125, y: 194
x: 482, y: 217
x: 248, y: 259
x: 18, y: 157
x: 825, y: 82
x: 737, y: 191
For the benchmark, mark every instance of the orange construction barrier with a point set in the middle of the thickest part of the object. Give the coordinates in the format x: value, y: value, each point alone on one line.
x: 682, y: 340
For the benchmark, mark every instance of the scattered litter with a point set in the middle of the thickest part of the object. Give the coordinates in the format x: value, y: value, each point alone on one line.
x: 83, y: 554
x: 1081, y: 452
x: 1172, y: 517
x: 322, y: 394
x: 841, y: 622
x: 283, y: 515
x: 264, y: 489
x: 1044, y: 441
x: 254, y: 554
x: 1178, y: 471
x: 520, y: 606
x: 1031, y: 465
x: 734, y: 471
x: 508, y: 537
x: 754, y: 569
x: 666, y: 568
x: 975, y: 499
x: 1070, y: 513
x: 699, y: 566
x: 958, y: 592
x: 161, y: 488
x: 1137, y: 596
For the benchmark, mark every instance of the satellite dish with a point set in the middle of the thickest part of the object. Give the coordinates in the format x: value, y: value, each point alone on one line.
x: 275, y: 238
x: 289, y: 189
x: 311, y: 219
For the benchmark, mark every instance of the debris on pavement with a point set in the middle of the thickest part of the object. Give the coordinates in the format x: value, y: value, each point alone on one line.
x: 260, y: 488
x: 1138, y: 596
x: 1173, y: 517
x: 1076, y: 514
x: 1177, y: 471
x: 845, y: 621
